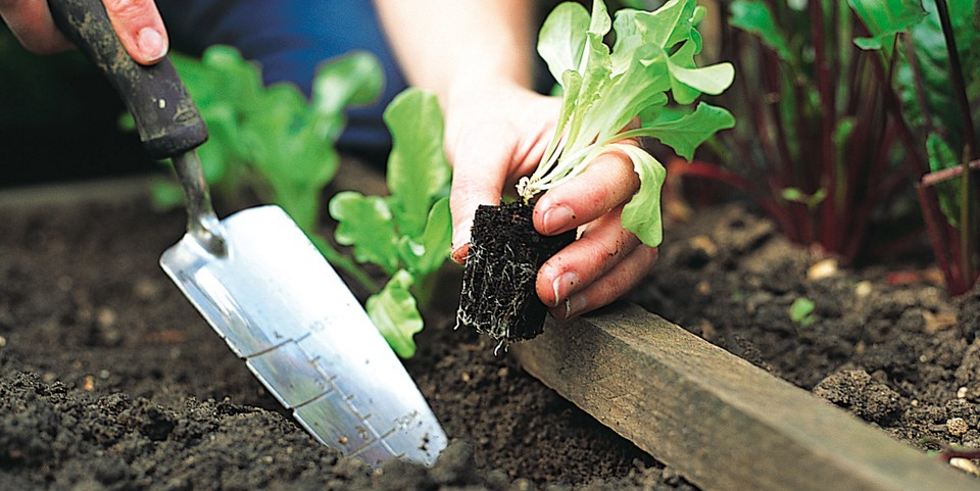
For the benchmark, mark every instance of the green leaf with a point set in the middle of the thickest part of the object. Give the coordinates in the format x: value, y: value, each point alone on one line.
x: 686, y: 133
x: 667, y: 26
x: 353, y: 79
x: 688, y: 81
x: 418, y: 172
x: 562, y: 38
x: 755, y: 17
x: 886, y: 18
x: 801, y: 311
x: 949, y: 193
x: 642, y: 214
x: 365, y: 222
x: 427, y: 253
x: 291, y: 155
x: 394, y: 312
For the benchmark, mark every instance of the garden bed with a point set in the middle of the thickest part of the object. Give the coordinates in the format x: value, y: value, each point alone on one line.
x: 109, y: 378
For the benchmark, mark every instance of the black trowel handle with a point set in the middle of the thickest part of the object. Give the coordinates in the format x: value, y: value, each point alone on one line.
x: 168, y: 122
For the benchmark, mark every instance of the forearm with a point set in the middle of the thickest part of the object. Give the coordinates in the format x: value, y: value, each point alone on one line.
x: 442, y: 44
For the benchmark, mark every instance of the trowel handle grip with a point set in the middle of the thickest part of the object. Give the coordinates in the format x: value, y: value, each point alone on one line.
x: 167, y: 120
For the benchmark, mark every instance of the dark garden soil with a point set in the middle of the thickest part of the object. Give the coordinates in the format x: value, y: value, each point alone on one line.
x: 110, y: 380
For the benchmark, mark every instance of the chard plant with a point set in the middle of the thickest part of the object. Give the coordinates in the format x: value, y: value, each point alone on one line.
x: 650, y: 65
x: 926, y: 46
x: 845, y: 104
x: 407, y: 233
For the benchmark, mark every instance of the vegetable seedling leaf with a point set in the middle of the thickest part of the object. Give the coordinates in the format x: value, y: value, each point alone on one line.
x: 395, y: 313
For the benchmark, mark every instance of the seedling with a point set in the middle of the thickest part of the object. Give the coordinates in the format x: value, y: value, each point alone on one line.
x: 801, y: 311
x: 603, y: 90
x: 406, y: 233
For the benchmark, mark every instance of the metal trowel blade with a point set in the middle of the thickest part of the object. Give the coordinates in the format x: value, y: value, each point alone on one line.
x: 282, y: 308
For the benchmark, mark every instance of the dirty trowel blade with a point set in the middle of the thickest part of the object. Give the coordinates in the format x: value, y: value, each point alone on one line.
x: 282, y: 308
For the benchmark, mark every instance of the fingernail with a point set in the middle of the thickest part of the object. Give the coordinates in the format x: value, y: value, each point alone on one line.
x: 556, y: 218
x: 458, y: 254
x: 461, y: 241
x: 563, y: 285
x: 573, y: 306
x: 151, y: 43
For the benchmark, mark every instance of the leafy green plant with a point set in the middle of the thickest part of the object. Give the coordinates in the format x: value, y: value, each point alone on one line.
x: 930, y: 77
x: 825, y: 149
x: 407, y: 233
x: 604, y: 89
x: 273, y: 141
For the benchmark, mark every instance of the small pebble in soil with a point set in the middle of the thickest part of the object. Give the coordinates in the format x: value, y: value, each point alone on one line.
x: 961, y: 393
x: 863, y: 289
x: 957, y: 426
x: 822, y: 269
x: 3, y: 341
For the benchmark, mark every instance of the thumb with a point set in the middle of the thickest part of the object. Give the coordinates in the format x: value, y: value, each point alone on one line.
x: 140, y: 29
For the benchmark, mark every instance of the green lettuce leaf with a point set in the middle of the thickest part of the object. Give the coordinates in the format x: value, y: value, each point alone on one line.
x: 395, y: 313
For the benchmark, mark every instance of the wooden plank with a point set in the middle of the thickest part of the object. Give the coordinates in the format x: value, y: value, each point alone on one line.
x: 719, y: 421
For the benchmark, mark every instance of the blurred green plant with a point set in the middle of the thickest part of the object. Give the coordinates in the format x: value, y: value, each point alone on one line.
x: 272, y: 141
x: 407, y: 233
x: 921, y: 43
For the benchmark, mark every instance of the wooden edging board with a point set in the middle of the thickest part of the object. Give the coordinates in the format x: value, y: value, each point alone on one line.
x: 721, y: 422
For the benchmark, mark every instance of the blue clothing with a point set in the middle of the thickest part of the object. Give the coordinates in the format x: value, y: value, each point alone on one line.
x: 289, y: 39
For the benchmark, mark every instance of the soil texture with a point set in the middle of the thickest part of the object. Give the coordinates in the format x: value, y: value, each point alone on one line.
x: 110, y: 380
x: 885, y: 341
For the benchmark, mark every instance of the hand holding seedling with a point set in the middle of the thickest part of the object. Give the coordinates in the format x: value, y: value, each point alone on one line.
x: 497, y: 131
x: 496, y: 134
x: 137, y: 22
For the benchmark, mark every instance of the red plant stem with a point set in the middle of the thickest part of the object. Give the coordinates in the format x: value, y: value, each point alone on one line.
x: 830, y: 228
x: 972, y: 151
x: 943, y: 175
x: 945, y: 243
x: 919, y: 86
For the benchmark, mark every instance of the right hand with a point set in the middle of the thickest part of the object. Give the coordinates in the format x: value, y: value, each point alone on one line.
x: 137, y: 23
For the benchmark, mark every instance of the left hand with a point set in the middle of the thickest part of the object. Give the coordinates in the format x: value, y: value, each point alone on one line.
x: 496, y: 132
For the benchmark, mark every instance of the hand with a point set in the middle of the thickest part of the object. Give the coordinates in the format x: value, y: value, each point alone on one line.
x: 496, y: 133
x: 137, y: 22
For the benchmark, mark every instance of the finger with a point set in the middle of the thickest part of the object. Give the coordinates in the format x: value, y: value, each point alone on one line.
x: 140, y: 29
x: 478, y: 178
x: 614, y: 284
x: 607, y: 182
x: 602, y: 245
x: 32, y: 25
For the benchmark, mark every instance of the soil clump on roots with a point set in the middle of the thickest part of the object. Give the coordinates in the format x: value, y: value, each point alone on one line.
x: 498, y: 296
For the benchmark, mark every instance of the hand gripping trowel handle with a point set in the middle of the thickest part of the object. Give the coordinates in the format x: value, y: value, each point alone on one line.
x: 168, y: 122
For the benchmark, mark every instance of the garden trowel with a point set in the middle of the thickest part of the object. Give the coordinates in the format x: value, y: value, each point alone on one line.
x: 261, y: 283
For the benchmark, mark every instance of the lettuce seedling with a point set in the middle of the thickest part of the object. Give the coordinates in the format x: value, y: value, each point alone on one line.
x: 406, y: 233
x: 603, y: 91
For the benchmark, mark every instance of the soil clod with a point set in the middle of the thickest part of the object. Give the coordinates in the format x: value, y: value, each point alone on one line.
x: 498, y: 295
